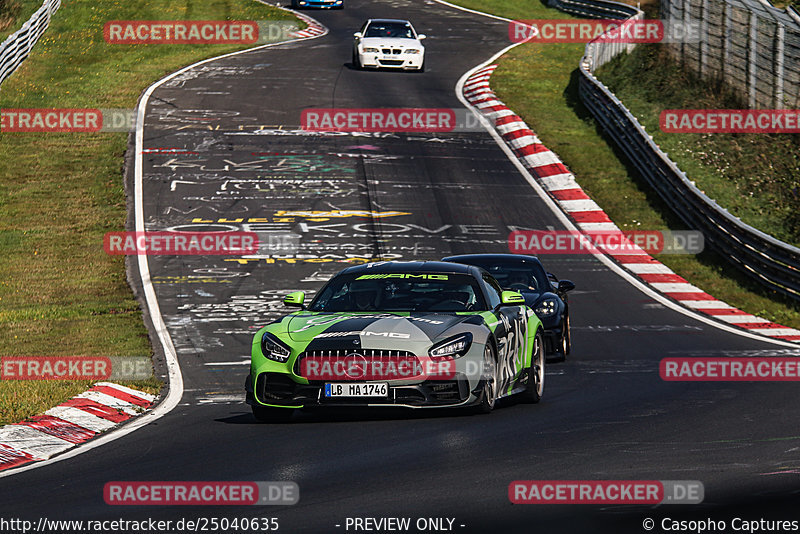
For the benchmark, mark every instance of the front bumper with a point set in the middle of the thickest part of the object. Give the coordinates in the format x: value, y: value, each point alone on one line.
x: 399, y: 61
x: 552, y: 334
x: 279, y: 390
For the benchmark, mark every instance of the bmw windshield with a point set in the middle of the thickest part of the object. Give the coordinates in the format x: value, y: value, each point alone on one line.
x: 395, y: 30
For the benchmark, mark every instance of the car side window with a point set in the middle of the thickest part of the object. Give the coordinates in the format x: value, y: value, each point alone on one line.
x: 494, y: 291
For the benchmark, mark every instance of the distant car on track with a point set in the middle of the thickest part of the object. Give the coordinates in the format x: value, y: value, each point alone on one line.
x: 542, y: 291
x: 331, y: 4
x: 388, y: 43
x: 403, y: 334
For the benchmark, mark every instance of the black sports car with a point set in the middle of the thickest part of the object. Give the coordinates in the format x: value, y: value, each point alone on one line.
x: 542, y: 291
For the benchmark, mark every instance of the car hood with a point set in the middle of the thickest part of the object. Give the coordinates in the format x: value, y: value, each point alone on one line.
x: 531, y: 298
x: 370, y: 329
x: 396, y: 42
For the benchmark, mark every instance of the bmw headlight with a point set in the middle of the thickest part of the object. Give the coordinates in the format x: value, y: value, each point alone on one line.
x: 546, y: 308
x: 370, y: 50
x: 274, y: 349
x: 412, y: 51
x: 454, y: 347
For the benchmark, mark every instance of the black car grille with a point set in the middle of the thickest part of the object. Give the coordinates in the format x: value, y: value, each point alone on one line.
x: 388, y: 51
x: 392, y: 62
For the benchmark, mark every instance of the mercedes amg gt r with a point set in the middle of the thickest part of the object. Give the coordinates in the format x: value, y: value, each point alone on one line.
x: 410, y: 334
x: 542, y: 291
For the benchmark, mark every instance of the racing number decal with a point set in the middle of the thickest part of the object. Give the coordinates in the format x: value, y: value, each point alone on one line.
x: 511, y: 345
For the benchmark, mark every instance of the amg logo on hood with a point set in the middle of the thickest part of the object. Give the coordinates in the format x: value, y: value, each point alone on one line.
x: 395, y: 335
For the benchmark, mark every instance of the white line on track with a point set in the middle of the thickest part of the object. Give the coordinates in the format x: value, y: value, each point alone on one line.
x: 173, y: 366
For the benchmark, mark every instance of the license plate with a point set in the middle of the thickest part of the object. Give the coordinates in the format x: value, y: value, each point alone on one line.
x: 357, y: 389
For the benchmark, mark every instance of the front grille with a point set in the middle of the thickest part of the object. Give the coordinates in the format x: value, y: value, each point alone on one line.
x: 391, y: 62
x: 374, y: 361
x: 445, y: 391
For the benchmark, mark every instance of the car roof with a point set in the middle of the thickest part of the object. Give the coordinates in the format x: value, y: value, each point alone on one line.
x: 390, y: 20
x: 501, y: 258
x: 413, y: 267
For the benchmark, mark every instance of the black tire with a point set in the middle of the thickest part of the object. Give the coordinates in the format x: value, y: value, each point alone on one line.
x: 561, y: 349
x: 356, y: 63
x: 265, y: 414
x: 422, y: 67
x: 489, y: 392
x: 535, y: 389
x: 564, y: 342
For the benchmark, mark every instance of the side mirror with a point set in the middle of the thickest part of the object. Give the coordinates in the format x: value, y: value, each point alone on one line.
x: 358, y: 35
x: 295, y: 300
x: 511, y: 298
x: 565, y: 285
x: 421, y: 36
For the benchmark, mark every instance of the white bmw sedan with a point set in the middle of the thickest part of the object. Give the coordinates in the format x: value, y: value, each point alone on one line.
x: 388, y: 43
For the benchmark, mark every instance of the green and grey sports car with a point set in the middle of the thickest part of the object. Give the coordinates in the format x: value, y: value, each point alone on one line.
x: 410, y: 334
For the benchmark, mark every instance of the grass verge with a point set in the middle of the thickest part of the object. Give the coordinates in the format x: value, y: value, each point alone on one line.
x: 60, y: 294
x: 756, y: 177
x: 539, y: 82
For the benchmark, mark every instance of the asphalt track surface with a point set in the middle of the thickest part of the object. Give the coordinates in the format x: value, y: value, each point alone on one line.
x: 606, y: 414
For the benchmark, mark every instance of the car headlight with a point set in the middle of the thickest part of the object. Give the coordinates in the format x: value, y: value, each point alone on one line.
x: 412, y: 51
x: 546, y: 308
x: 370, y: 50
x: 274, y: 349
x: 454, y: 347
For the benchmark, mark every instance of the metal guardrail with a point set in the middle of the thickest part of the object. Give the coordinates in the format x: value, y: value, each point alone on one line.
x: 763, y: 258
x: 17, y: 46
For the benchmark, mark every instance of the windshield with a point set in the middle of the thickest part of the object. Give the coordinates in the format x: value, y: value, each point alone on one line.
x: 519, y: 276
x: 421, y: 292
x: 401, y: 30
